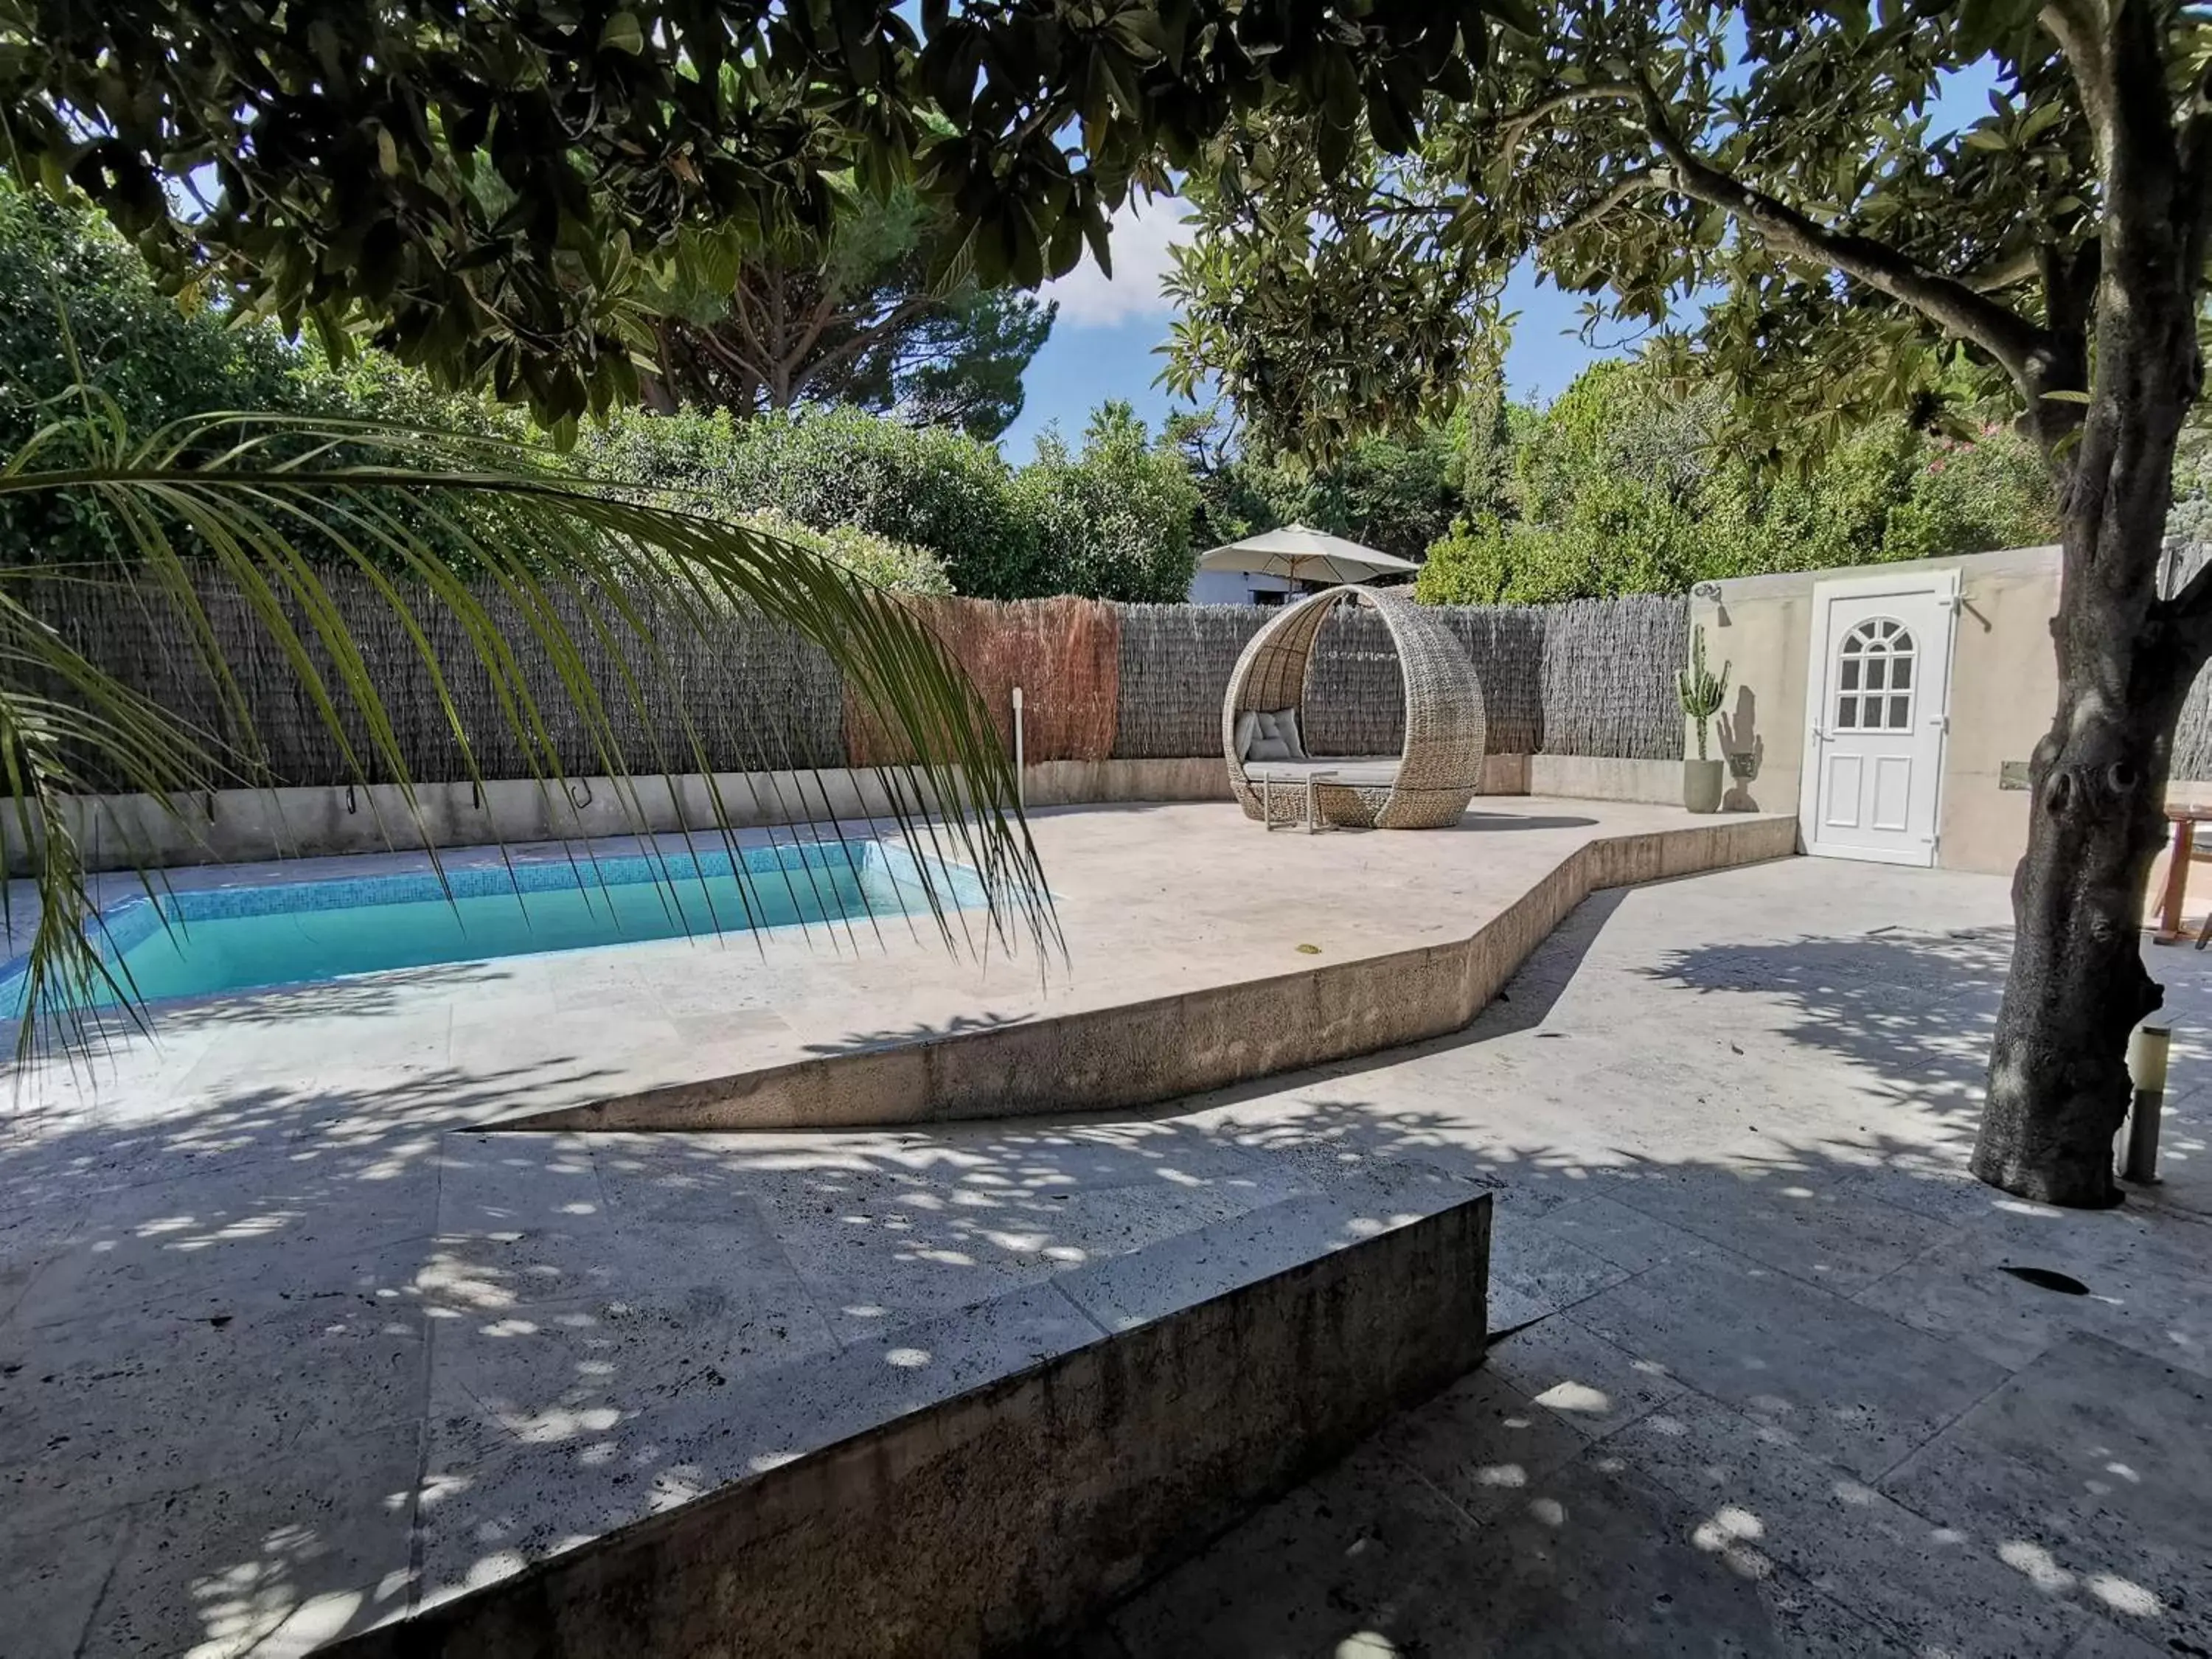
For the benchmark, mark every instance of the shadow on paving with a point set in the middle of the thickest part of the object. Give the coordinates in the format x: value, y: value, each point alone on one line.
x: 1811, y: 1413
x: 265, y: 1007
x: 282, y: 1365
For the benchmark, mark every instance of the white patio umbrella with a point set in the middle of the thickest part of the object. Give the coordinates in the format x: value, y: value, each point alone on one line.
x: 1304, y: 555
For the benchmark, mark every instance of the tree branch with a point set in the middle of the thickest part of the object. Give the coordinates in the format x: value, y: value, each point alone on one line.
x: 2194, y: 600
x: 1633, y: 184
x: 2153, y: 206
x: 2079, y: 31
x: 1404, y: 207
x: 1514, y: 130
x: 860, y: 339
x: 2022, y: 346
x: 2005, y: 272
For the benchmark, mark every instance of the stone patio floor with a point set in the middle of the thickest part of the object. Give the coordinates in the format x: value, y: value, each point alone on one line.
x: 1765, y: 1385
x: 273, y: 1364
x: 1151, y: 900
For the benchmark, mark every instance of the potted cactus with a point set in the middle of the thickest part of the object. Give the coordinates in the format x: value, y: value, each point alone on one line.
x: 1701, y: 693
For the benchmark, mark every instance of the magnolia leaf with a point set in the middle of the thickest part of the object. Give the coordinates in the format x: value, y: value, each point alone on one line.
x: 1520, y: 14
x: 623, y: 33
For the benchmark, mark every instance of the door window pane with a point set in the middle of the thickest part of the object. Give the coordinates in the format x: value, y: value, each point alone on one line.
x: 1874, y: 676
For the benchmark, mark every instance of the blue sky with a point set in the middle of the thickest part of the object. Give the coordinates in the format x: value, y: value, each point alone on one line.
x: 1103, y: 345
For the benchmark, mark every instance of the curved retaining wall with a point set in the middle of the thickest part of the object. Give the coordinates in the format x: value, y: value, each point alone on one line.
x: 1141, y: 1054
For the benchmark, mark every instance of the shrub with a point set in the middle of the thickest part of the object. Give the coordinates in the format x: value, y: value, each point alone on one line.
x: 156, y: 360
x: 1113, y: 520
x: 924, y: 486
x: 899, y: 566
x: 1621, y: 487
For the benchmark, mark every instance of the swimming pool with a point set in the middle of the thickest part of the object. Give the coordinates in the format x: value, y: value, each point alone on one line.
x: 237, y: 938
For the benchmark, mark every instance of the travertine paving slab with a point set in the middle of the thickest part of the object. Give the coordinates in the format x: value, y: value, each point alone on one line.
x: 1815, y: 1380
x: 1842, y: 1383
x: 1369, y: 1560
x: 1763, y: 1504
x: 108, y: 1411
x: 2088, y: 1474
x: 55, y: 1577
x: 273, y: 1560
x: 1590, y: 1384
x: 2142, y: 1288
x: 1821, y: 1226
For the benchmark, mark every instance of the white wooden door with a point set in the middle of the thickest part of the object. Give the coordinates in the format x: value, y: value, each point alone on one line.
x: 1878, y: 700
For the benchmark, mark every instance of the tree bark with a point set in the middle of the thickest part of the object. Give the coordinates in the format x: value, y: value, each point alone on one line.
x: 2058, y: 1086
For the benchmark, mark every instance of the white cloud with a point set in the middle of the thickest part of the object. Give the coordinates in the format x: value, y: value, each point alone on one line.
x: 1142, y: 232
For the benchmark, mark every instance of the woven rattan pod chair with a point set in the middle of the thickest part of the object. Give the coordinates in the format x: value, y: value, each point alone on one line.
x: 1426, y: 786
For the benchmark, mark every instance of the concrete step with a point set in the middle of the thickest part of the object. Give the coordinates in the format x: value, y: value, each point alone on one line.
x: 987, y: 1479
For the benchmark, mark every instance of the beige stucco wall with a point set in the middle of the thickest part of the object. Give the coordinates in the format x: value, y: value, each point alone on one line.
x: 2003, y: 688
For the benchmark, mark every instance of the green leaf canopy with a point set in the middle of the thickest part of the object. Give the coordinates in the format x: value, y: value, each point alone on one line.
x: 489, y: 193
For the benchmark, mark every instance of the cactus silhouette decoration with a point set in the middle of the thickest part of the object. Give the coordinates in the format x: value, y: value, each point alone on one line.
x: 1701, y: 692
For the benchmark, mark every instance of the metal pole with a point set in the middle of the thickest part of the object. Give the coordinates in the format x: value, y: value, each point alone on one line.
x: 1021, y: 788
x: 2147, y: 1064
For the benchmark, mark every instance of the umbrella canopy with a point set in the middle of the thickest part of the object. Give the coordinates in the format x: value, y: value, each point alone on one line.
x: 1304, y: 555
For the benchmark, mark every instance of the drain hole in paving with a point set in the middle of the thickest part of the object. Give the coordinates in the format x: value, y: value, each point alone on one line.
x: 2047, y: 1279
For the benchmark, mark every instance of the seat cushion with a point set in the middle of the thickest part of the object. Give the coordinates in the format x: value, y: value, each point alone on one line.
x: 1358, y: 771
x: 1281, y: 726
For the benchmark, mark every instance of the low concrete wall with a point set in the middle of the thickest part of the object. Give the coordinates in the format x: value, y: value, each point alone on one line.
x: 245, y: 826
x: 1603, y: 777
x: 249, y: 826
x: 242, y: 826
x: 1503, y: 774
x: 1139, y: 1053
x: 1076, y: 783
x: 1009, y: 1516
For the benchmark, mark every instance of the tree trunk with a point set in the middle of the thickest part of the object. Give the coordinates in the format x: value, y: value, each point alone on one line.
x: 2058, y: 1086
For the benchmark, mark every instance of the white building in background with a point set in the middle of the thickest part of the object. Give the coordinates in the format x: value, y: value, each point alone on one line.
x: 1266, y: 569
x: 1239, y: 588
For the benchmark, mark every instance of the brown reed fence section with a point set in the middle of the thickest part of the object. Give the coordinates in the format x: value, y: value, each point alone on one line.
x: 1063, y: 653
x: 757, y: 697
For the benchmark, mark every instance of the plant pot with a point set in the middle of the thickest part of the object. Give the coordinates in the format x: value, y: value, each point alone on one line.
x: 1702, y: 782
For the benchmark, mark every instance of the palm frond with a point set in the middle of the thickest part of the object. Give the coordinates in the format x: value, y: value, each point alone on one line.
x: 493, y: 535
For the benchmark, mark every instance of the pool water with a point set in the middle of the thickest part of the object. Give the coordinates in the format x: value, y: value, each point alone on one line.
x: 236, y: 939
